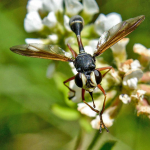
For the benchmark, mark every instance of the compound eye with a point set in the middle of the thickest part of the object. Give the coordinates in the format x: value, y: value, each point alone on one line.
x: 96, y: 77
x: 80, y: 80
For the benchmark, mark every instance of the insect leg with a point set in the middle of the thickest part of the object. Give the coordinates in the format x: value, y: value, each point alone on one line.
x: 100, y: 114
x: 104, y: 68
x: 69, y: 87
x: 72, y: 51
x: 83, y: 92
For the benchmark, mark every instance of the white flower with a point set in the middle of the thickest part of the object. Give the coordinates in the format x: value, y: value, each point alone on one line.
x: 34, y: 5
x: 131, y: 78
x: 93, y: 43
x: 53, y: 37
x: 135, y: 65
x: 33, y: 22
x: 119, y: 51
x: 73, y: 68
x: 108, y: 121
x: 116, y: 76
x: 90, y: 7
x: 33, y: 40
x: 124, y: 98
x: 141, y: 50
x: 53, y: 5
x: 91, y: 48
x: 86, y: 110
x: 77, y: 98
x: 67, y: 54
x: 88, y: 49
x: 129, y: 65
x: 50, y: 20
x: 120, y: 46
x: 50, y: 70
x: 73, y: 7
x: 132, y: 83
x: 139, y: 95
x: 66, y: 23
x: 104, y: 23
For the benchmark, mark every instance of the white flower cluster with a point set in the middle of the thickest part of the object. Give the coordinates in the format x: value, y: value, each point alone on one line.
x: 51, y: 19
x: 44, y: 14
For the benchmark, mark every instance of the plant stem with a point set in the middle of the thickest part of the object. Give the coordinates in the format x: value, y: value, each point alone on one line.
x: 96, y: 137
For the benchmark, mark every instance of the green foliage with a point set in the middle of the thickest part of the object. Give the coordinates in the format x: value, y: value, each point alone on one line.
x: 108, y: 145
x: 65, y: 113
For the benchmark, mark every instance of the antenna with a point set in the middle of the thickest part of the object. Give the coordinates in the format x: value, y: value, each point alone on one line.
x: 76, y: 25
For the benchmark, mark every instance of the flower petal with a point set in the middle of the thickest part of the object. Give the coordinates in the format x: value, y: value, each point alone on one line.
x: 139, y: 95
x: 50, y: 20
x: 129, y: 65
x: 100, y: 24
x: 135, y: 65
x: 106, y: 119
x: 144, y: 54
x: 120, y: 46
x: 53, y: 5
x: 50, y: 70
x: 33, y: 22
x: 104, y: 23
x: 141, y: 50
x: 93, y: 43
x: 73, y: 7
x: 77, y: 98
x: 90, y: 7
x: 89, y: 50
x: 53, y: 38
x: 34, y: 5
x: 132, y: 83
x: 66, y: 23
x: 34, y: 40
x: 86, y: 110
x: 73, y: 68
x: 124, y: 98
x: 131, y: 78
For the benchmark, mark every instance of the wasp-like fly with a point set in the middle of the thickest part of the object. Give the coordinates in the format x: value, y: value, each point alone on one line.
x: 88, y: 77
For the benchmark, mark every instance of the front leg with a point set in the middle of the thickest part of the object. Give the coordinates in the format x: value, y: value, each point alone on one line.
x: 104, y: 68
x: 101, y: 112
x: 72, y: 78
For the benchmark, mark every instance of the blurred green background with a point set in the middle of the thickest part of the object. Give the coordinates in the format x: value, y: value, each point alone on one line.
x: 27, y: 97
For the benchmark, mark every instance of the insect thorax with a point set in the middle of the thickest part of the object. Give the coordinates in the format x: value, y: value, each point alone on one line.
x: 84, y: 63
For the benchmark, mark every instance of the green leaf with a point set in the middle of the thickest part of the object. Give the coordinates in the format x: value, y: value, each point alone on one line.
x: 108, y: 145
x: 65, y: 113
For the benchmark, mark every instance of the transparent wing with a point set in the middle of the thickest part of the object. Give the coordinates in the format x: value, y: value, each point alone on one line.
x: 116, y: 33
x: 42, y: 51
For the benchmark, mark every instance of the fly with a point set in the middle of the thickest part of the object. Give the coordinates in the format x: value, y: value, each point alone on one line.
x: 88, y: 77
